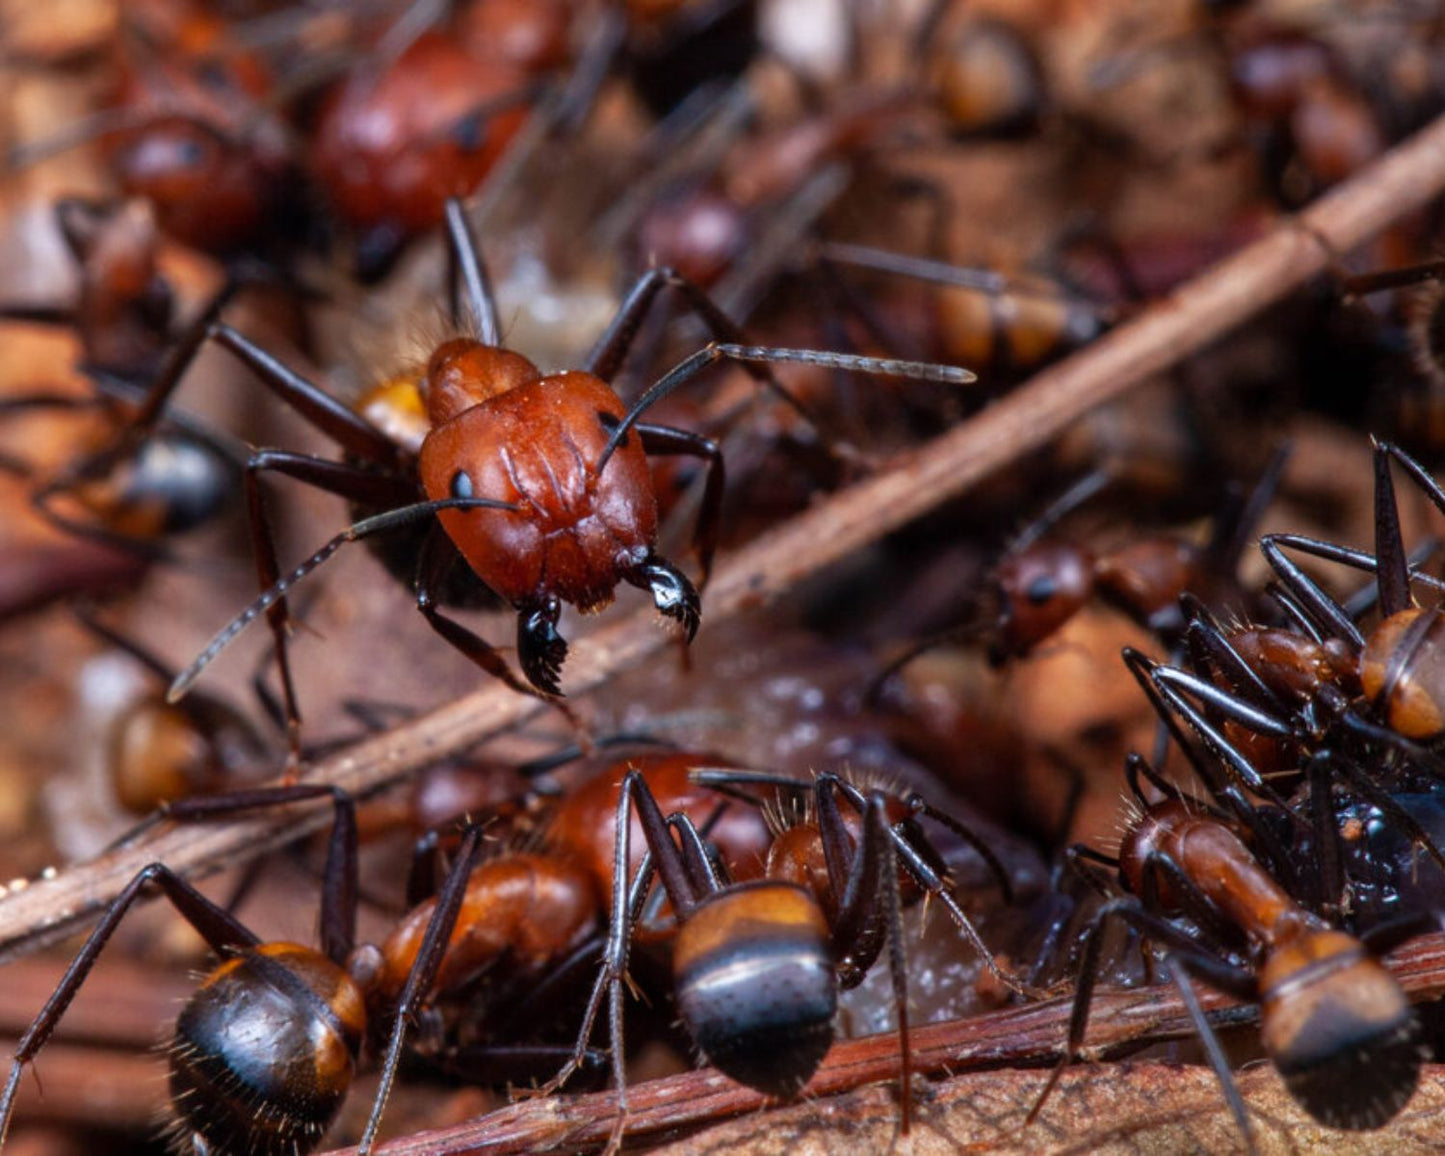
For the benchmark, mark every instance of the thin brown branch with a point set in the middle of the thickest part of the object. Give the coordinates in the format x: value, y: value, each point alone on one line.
x: 1120, y: 1022
x: 1195, y: 315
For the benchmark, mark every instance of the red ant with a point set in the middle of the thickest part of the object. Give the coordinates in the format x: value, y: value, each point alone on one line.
x: 757, y: 965
x: 532, y: 448
x: 1334, y: 1021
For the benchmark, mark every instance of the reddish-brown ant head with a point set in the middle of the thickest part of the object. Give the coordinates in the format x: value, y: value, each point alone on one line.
x: 1340, y: 1030
x: 279, y: 1028
x: 756, y: 985
x: 212, y: 172
x: 576, y: 533
x: 390, y: 149
x: 463, y: 373
x: 1040, y: 589
x: 1403, y: 662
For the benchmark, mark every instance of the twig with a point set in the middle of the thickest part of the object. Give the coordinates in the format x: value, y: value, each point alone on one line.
x: 1196, y: 314
x: 1121, y: 1021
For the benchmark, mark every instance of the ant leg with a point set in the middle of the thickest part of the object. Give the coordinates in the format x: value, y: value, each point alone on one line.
x: 357, y: 485
x: 1392, y: 568
x: 663, y: 859
x: 1233, y: 981
x: 339, y: 877
x: 673, y: 595
x: 1233, y: 532
x: 1355, y: 559
x: 1210, y: 647
x: 465, y: 267
x: 366, y: 528
x: 931, y: 880
x: 658, y: 439
x: 1325, y: 610
x: 336, y: 420
x: 219, y: 929
x: 423, y: 972
x: 438, y: 555
x: 1179, y: 966
x: 1367, y: 283
x: 873, y: 878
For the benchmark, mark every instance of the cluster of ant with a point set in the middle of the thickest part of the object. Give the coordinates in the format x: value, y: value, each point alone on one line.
x: 313, y: 151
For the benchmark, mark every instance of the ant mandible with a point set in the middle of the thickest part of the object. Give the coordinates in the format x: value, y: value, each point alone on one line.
x: 527, y: 455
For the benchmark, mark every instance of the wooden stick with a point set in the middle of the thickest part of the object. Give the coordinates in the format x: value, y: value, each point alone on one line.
x: 1195, y: 315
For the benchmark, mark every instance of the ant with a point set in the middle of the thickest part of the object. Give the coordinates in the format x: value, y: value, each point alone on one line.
x: 263, y: 1053
x: 190, y: 129
x: 149, y: 475
x: 160, y: 752
x: 1333, y: 1020
x: 532, y: 448
x: 122, y: 312
x: 1042, y: 582
x: 757, y: 965
x: 1296, y: 686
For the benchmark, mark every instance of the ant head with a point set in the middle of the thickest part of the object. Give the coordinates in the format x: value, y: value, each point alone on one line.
x: 1339, y: 1029
x: 1040, y: 588
x: 756, y: 985
x: 464, y: 372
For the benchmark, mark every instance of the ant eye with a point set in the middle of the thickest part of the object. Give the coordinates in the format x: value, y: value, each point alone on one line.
x: 1042, y: 589
x: 610, y: 422
x: 470, y: 133
x: 190, y: 153
x: 212, y: 73
x: 462, y: 485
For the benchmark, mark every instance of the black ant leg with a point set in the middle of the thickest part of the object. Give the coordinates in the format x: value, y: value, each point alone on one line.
x: 871, y: 879
x: 1365, y: 784
x: 423, y: 973
x: 1392, y: 573
x: 1358, y: 559
x: 933, y: 881
x: 364, y: 487
x: 1210, y: 648
x: 217, y: 927
x: 1233, y: 981
x: 438, y: 555
x: 1367, y: 283
x: 1328, y: 613
x: 660, y: 439
x: 664, y: 859
x: 366, y: 528
x: 1235, y: 528
x: 465, y: 267
x: 339, y: 885
x: 335, y: 419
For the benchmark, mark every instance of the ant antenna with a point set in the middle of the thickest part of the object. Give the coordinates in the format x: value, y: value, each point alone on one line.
x: 691, y: 366
x: 365, y: 528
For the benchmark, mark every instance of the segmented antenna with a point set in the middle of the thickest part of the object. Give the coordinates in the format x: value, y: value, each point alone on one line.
x: 378, y: 524
x: 691, y: 366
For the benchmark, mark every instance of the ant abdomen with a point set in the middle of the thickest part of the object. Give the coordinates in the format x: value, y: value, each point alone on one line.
x: 1340, y: 1031
x: 1402, y: 664
x: 264, y: 1052
x: 770, y: 1026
